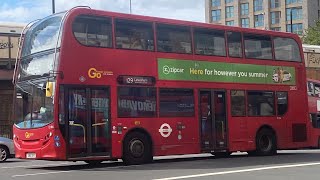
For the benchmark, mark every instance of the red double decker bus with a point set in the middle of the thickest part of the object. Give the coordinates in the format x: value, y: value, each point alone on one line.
x: 94, y: 85
x: 314, y: 110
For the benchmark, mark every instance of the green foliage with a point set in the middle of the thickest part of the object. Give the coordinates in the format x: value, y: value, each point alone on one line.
x: 312, y: 35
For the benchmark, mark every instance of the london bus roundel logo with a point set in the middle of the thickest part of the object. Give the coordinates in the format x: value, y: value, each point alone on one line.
x: 165, y: 130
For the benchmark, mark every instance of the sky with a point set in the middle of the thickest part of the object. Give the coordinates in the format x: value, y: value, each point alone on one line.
x: 24, y: 11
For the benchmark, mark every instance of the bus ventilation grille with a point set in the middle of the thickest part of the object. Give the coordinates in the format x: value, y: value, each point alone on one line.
x: 299, y: 132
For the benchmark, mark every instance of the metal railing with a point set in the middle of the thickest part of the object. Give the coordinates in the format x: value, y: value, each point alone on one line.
x: 6, y: 131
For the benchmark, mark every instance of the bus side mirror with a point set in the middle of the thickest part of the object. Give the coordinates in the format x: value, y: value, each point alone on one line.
x: 49, y: 89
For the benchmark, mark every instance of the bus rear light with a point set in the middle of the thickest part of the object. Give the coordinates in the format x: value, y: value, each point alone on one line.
x: 48, y: 136
x: 15, y: 137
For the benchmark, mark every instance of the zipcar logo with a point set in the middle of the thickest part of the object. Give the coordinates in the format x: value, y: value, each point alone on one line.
x: 167, y: 70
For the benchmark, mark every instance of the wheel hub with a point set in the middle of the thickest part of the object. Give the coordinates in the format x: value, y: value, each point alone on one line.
x: 265, y: 143
x: 3, y: 154
x: 136, y: 148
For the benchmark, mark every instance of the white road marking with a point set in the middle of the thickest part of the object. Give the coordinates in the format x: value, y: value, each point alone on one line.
x: 58, y: 172
x: 239, y: 171
x: 36, y: 165
x: 35, y: 174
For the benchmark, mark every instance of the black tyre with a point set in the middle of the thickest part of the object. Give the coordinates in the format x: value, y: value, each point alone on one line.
x: 93, y: 162
x: 4, y: 153
x: 137, y: 149
x: 266, y: 143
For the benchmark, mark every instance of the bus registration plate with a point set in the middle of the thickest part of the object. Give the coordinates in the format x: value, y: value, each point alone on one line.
x: 31, y: 155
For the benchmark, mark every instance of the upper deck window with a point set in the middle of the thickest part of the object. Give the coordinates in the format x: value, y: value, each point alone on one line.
x: 209, y: 42
x: 257, y: 46
x: 286, y: 49
x: 134, y: 35
x: 175, y: 39
x: 234, y: 44
x: 93, y: 30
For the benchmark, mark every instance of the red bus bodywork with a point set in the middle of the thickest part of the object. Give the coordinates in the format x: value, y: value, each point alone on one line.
x: 76, y: 62
x: 314, y: 110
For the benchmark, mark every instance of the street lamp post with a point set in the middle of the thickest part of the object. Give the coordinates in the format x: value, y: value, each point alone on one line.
x: 130, y: 7
x: 53, y: 7
x: 291, y: 20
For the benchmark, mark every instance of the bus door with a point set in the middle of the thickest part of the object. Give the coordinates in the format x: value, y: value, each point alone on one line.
x: 88, y: 120
x: 213, y: 120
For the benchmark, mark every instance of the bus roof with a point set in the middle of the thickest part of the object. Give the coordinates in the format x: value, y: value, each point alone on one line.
x: 313, y: 80
x: 311, y: 48
x: 183, y: 22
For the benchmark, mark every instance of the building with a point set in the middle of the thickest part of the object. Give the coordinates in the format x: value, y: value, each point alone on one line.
x: 9, y: 40
x: 312, y: 58
x: 264, y: 14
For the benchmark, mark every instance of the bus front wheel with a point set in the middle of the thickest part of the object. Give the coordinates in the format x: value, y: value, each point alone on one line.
x: 266, y: 143
x: 137, y: 149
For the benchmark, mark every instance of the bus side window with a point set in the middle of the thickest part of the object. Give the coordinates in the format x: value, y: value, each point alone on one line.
x: 134, y: 35
x: 282, y: 102
x: 286, y: 49
x: 317, y: 90
x: 257, y: 46
x: 209, y: 42
x: 238, y: 104
x: 260, y: 103
x: 93, y: 30
x: 310, y: 88
x: 234, y: 44
x: 176, y: 39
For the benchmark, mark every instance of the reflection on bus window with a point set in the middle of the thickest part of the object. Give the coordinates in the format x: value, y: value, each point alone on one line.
x: 134, y: 35
x: 286, y: 49
x: 317, y: 90
x: 260, y: 103
x: 310, y: 88
x: 234, y: 44
x: 93, y: 30
x: 176, y: 102
x: 136, y: 102
x: 173, y: 39
x: 238, y: 103
x: 257, y: 46
x: 282, y: 102
x: 209, y: 42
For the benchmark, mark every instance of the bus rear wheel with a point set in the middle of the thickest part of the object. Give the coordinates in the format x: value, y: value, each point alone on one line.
x: 136, y: 149
x: 266, y: 143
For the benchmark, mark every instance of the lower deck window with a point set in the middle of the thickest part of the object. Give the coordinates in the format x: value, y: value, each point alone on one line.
x: 136, y: 102
x: 176, y: 102
x: 260, y: 103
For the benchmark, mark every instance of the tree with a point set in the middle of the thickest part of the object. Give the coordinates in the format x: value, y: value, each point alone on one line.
x: 312, y: 35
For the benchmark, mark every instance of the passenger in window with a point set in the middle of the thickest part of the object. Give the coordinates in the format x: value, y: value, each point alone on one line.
x: 176, y: 46
x: 136, y: 41
x: 266, y: 108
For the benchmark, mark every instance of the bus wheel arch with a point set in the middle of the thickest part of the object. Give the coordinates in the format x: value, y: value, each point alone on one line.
x: 266, y: 141
x: 137, y: 147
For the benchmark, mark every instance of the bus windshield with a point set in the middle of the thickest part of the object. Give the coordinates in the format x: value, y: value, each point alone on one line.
x: 37, y: 57
x: 33, y: 109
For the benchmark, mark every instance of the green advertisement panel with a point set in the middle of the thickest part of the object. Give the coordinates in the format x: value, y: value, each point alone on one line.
x: 172, y: 69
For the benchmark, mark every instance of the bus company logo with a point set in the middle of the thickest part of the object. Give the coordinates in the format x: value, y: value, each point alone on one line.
x: 281, y: 76
x: 28, y: 135
x: 94, y: 73
x: 165, y: 130
x: 167, y: 70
